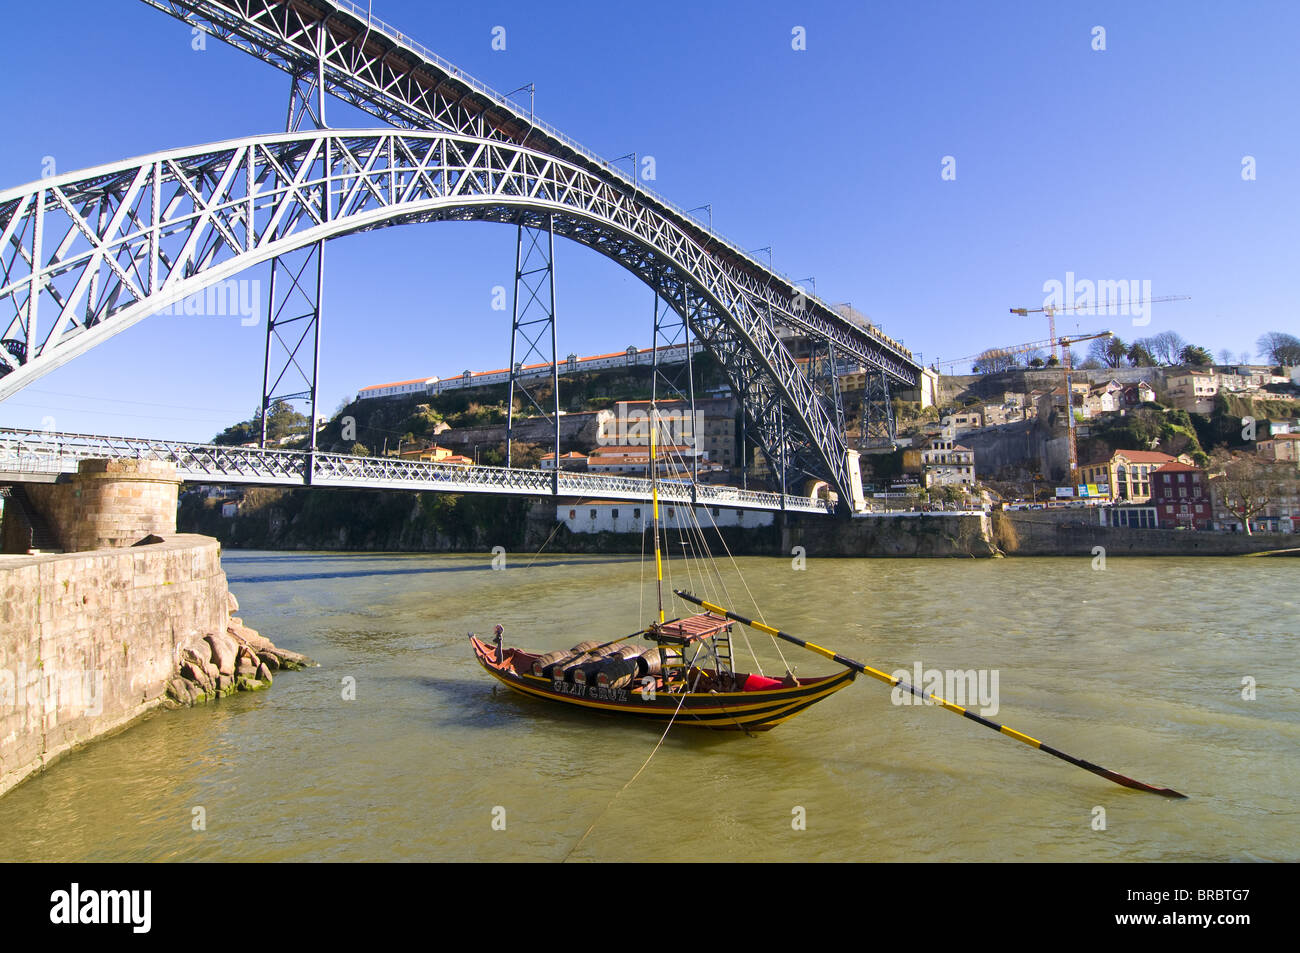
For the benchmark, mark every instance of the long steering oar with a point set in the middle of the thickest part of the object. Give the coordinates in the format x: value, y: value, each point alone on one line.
x: 890, y: 680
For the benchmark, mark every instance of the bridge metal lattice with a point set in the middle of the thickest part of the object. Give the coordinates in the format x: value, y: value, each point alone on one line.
x: 34, y: 455
x: 133, y: 237
x: 130, y: 254
x: 675, y: 380
x: 297, y: 291
x: 877, y: 412
x: 532, y: 328
x: 378, y: 69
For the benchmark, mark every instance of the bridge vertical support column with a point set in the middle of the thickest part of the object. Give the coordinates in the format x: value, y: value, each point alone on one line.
x: 825, y: 378
x: 877, y: 411
x: 298, y: 278
x: 671, y: 329
x: 532, y: 330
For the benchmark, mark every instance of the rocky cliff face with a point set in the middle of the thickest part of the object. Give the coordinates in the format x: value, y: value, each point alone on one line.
x: 370, y: 520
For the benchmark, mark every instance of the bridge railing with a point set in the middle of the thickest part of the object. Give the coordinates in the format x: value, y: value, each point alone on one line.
x: 44, y: 452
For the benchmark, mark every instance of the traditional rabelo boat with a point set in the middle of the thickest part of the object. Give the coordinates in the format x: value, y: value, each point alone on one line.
x: 661, y: 683
x: 687, y: 677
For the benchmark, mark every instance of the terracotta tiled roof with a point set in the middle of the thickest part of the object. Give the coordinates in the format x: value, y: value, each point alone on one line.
x: 413, y: 380
x: 1178, y: 466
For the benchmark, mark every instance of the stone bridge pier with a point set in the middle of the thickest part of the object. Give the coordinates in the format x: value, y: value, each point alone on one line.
x: 106, y: 503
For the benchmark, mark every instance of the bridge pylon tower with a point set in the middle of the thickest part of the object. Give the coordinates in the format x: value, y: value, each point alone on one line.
x: 825, y: 379
x: 677, y: 381
x: 297, y: 291
x: 877, y: 412
x: 532, y: 327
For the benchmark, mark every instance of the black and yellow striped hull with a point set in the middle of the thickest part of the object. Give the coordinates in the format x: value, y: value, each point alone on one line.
x: 722, y: 711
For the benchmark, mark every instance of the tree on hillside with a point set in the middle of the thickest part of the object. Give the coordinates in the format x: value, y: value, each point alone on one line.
x: 1224, y: 356
x: 994, y: 360
x: 1279, y: 348
x: 1167, y: 346
x: 1246, y: 485
x: 282, y: 421
x: 1194, y: 356
x: 1139, y: 355
x: 1108, y: 352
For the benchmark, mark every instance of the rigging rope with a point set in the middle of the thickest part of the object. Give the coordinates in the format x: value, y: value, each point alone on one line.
x: 620, y: 791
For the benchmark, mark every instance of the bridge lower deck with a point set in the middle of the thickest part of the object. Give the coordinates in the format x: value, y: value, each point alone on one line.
x: 30, y: 456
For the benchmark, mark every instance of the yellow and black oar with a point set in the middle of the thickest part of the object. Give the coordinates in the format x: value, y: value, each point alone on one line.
x: 890, y: 680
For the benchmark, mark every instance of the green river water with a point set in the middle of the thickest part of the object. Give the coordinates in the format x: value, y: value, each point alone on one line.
x: 1139, y: 667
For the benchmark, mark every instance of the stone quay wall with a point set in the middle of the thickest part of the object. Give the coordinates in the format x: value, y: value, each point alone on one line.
x: 89, y: 640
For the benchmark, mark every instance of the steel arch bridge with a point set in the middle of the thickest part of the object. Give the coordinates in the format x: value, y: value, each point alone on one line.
x: 86, y: 255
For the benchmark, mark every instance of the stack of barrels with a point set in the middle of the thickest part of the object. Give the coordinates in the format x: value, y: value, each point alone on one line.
x: 591, y: 663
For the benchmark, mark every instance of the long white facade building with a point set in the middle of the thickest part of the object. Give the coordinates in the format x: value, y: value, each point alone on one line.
x: 432, y: 386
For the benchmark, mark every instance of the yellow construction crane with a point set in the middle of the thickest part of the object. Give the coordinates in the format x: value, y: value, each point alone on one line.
x: 1052, y: 311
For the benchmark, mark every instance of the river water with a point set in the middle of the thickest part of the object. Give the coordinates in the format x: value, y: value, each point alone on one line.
x: 1138, y: 667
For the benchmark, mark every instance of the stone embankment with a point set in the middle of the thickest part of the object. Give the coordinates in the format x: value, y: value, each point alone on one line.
x: 221, y: 663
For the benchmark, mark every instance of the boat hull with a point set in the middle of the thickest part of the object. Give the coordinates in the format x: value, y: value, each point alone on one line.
x: 721, y: 711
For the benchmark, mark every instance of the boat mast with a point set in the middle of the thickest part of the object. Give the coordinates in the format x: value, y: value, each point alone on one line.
x: 654, y: 506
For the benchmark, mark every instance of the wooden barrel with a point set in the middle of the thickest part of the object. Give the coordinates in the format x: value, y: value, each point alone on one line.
x: 546, y: 662
x: 647, y: 663
x: 585, y: 646
x: 615, y: 672
x: 585, y: 673
x: 565, y: 669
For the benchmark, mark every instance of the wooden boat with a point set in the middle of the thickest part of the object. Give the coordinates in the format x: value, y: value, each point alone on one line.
x: 666, y: 683
x: 681, y: 692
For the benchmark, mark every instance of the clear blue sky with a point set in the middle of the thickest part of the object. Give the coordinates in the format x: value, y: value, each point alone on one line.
x: 1120, y: 164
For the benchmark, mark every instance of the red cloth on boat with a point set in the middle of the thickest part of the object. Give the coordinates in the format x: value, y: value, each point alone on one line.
x: 759, y: 683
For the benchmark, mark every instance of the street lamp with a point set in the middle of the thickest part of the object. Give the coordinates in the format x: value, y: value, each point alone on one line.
x: 708, y: 207
x: 532, y: 93
x: 630, y: 155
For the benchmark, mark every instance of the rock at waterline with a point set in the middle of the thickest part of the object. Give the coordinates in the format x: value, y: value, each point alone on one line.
x: 224, y: 652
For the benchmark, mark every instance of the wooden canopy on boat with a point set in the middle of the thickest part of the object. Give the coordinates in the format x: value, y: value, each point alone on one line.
x: 690, y: 629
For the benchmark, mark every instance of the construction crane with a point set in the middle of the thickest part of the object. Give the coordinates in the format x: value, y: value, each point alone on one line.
x: 1052, y: 311
x: 1067, y: 364
x: 993, y: 352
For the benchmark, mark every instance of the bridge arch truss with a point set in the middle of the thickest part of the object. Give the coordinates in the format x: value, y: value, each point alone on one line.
x: 86, y: 255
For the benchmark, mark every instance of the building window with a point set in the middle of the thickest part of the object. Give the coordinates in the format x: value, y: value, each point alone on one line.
x: 573, y: 514
x: 614, y: 513
x: 593, y: 514
x: 636, y: 513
